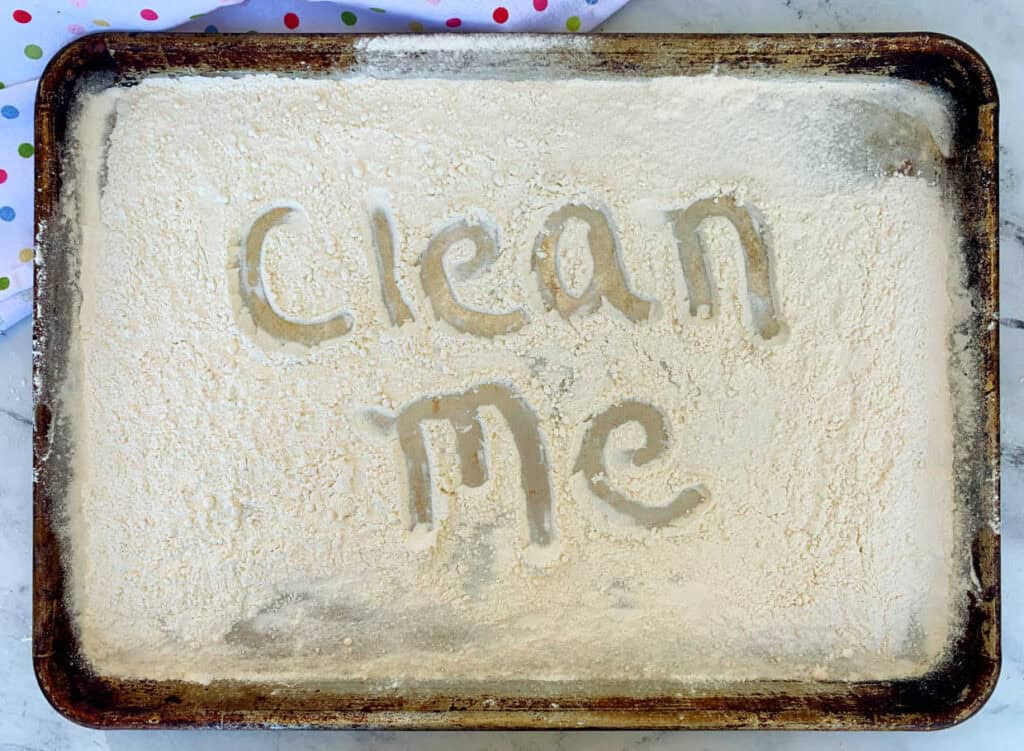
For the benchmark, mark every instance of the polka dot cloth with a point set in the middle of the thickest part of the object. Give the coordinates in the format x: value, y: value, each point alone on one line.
x: 32, y: 32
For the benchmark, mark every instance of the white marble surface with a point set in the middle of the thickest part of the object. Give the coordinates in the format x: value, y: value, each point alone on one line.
x: 996, y: 29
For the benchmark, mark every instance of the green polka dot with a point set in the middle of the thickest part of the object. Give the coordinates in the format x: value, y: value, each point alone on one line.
x: 573, y: 23
x: 4, y: 283
x: 2, y: 85
x: 33, y: 51
x: 378, y: 10
x: 348, y: 18
x: 194, y: 16
x: 26, y: 150
x: 416, y: 27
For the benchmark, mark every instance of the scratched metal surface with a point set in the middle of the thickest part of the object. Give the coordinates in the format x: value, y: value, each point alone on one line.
x: 948, y: 695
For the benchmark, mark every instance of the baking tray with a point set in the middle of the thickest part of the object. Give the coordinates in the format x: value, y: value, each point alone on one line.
x: 949, y: 694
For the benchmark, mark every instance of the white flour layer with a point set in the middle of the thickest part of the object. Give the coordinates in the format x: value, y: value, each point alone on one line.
x: 236, y: 512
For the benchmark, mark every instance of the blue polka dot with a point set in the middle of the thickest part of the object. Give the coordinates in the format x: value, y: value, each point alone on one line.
x: 211, y: 29
x: 7, y: 213
x: 9, y: 111
x: 591, y: 2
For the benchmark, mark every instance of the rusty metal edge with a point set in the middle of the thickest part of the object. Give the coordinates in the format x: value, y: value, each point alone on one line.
x: 93, y: 701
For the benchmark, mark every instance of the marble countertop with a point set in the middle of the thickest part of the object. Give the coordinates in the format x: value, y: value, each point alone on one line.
x: 995, y: 28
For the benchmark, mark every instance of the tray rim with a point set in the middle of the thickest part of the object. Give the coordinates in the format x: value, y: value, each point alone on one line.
x: 918, y: 704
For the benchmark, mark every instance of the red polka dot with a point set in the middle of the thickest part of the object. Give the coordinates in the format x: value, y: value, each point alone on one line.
x: 500, y: 15
x: 21, y: 16
x: 3, y: 176
x: 453, y: 23
x: 540, y: 5
x: 291, y: 20
x: 148, y: 14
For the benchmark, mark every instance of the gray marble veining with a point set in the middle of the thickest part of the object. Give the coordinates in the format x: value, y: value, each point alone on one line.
x: 995, y: 28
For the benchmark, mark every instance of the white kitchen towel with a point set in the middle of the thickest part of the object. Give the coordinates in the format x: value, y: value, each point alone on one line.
x: 31, y: 32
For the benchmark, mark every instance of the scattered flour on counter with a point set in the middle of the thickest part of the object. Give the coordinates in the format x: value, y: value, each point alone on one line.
x: 240, y: 510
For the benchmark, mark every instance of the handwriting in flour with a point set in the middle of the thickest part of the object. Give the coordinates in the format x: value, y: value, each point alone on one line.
x: 439, y: 287
x: 592, y: 464
x: 254, y: 293
x: 608, y: 283
x: 462, y: 411
x: 755, y: 260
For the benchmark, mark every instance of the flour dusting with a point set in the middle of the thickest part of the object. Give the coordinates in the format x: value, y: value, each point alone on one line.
x: 241, y: 505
